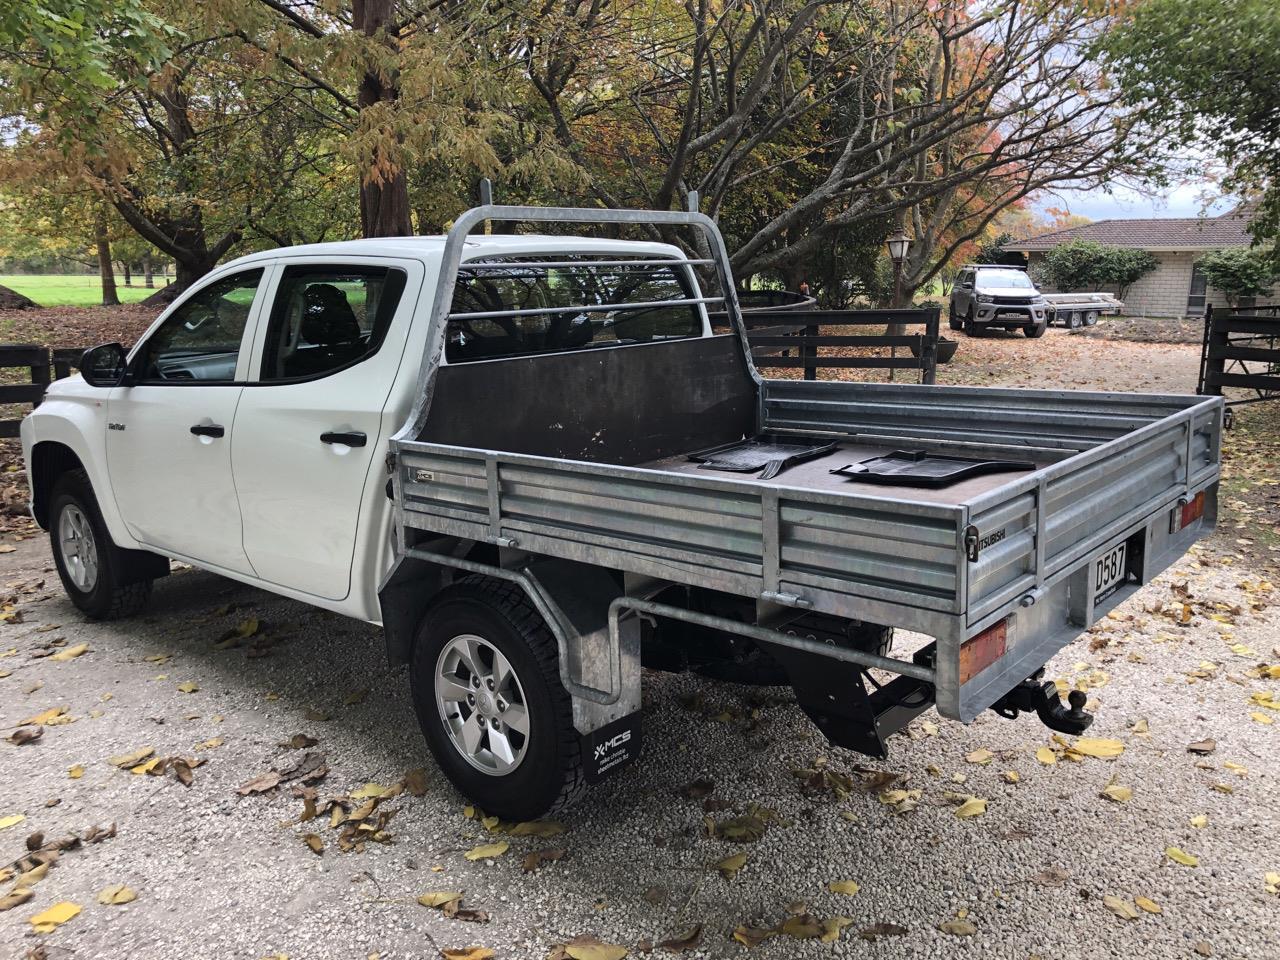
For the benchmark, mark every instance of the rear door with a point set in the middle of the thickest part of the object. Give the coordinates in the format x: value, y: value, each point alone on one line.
x: 309, y: 431
x: 169, y: 432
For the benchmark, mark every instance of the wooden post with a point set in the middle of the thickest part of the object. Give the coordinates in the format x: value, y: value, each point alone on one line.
x: 809, y: 352
x: 929, y: 350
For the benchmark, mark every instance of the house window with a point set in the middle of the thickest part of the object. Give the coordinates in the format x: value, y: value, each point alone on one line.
x: 1195, y: 299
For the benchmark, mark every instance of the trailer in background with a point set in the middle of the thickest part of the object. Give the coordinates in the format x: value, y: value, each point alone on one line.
x: 1075, y: 310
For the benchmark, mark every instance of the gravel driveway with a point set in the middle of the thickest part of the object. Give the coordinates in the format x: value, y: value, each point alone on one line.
x: 217, y: 874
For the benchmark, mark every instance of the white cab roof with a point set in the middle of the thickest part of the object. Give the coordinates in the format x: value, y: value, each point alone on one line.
x: 478, y: 246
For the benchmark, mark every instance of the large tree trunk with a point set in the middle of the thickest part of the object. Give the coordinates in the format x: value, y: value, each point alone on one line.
x: 384, y: 196
x: 148, y: 275
x: 109, y: 296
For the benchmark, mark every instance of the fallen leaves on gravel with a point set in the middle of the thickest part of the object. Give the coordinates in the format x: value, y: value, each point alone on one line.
x: 980, y: 757
x: 1150, y: 906
x: 415, y: 781
x: 1120, y: 907
x: 587, y: 948
x: 532, y: 861
x: 958, y: 927
x: 260, y: 784
x: 1271, y: 881
x: 969, y: 806
x: 847, y: 887
x: 313, y: 842
x: 1199, y: 821
x: 308, y: 768
x: 25, y: 735
x: 878, y: 930
x: 1202, y: 747
x: 690, y: 939
x: 730, y: 865
x: 902, y: 801
x: 188, y: 687
x: 15, y: 898
x: 132, y: 759
x: 1096, y: 747
x: 70, y: 653
x: 117, y: 894
x: 487, y: 851
x: 48, y: 920
x: 299, y: 741
x: 467, y: 953
x: 1117, y: 793
x: 53, y: 717
x: 1046, y: 756
x: 538, y: 828
x: 1181, y: 856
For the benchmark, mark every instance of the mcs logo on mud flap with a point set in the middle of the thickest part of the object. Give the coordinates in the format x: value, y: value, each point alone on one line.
x: 612, y: 744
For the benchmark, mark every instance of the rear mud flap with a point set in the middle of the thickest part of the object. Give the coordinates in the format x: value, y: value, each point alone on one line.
x: 612, y: 747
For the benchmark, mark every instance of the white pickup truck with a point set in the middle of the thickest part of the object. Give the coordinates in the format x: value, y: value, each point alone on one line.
x: 534, y: 463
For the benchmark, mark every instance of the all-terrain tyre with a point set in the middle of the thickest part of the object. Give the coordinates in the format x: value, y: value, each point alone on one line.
x: 1035, y: 332
x: 953, y: 321
x: 92, y: 568
x: 485, y: 680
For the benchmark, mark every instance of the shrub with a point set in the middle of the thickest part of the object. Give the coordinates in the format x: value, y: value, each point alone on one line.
x: 1239, y: 272
x: 1084, y: 264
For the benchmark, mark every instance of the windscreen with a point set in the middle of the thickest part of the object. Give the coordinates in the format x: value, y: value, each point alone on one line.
x: 1004, y: 278
x: 514, y: 307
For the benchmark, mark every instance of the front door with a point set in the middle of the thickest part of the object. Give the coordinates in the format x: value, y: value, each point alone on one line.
x: 309, y: 429
x: 169, y: 431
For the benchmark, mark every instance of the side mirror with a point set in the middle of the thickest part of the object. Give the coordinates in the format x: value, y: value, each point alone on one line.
x: 103, y: 366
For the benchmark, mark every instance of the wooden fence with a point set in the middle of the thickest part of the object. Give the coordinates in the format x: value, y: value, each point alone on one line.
x: 1241, y: 348
x: 39, y: 362
x: 794, y: 339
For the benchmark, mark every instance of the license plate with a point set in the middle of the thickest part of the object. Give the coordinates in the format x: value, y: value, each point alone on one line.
x: 1109, y: 571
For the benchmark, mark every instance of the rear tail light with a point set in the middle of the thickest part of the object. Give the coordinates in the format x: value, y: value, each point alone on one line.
x: 979, y: 652
x: 1192, y: 511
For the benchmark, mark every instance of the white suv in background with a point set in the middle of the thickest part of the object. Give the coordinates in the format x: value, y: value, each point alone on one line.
x: 995, y: 295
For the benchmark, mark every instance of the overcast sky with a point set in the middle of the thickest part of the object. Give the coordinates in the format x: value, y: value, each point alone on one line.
x: 1123, y: 203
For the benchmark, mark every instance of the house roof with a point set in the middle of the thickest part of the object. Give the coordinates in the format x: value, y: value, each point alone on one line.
x: 1177, y: 233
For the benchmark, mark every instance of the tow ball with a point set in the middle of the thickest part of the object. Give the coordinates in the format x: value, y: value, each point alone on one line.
x: 1042, y: 697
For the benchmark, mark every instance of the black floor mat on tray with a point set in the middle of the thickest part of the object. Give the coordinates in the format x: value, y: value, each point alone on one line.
x: 918, y: 468
x: 769, y: 453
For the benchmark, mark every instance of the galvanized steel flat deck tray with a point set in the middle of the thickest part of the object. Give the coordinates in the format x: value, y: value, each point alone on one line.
x: 920, y: 468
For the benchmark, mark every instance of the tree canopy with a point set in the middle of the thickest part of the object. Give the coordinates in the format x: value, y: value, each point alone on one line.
x: 811, y: 129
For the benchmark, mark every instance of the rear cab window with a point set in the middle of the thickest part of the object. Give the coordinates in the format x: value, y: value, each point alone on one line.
x: 519, y: 306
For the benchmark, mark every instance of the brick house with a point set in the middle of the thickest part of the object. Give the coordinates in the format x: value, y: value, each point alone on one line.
x: 1176, y: 288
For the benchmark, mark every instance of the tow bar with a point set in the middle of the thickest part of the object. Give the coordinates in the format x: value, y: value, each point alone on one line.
x: 1042, y: 697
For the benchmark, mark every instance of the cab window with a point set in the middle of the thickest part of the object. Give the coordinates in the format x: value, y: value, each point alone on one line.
x: 327, y: 318
x: 200, y: 341
x: 514, y: 307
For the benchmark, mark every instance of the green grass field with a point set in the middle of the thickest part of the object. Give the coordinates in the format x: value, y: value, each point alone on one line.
x: 73, y: 290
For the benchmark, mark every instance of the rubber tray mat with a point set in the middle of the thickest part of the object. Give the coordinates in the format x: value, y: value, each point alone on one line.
x: 767, y: 453
x: 918, y: 468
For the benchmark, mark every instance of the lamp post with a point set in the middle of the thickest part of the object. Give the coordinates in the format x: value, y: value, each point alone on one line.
x: 898, y: 244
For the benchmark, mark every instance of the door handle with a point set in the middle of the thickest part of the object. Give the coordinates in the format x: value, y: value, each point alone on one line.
x: 346, y: 439
x: 208, y: 430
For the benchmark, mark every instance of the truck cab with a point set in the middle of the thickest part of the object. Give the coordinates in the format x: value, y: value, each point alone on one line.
x: 991, y: 296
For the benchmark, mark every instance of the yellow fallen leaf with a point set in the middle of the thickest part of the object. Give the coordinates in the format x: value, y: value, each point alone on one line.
x: 188, y: 687
x: 53, y: 713
x: 1121, y: 908
x: 832, y: 928
x: 1148, y: 905
x: 438, y: 898
x: 1046, y: 756
x: 1272, y: 882
x: 75, y: 772
x: 210, y: 744
x: 1117, y: 793
x: 369, y: 791
x: 1181, y: 856
x: 70, y: 653
x: 589, y: 948
x: 116, y: 894
x: 981, y: 757
x: 1199, y: 821
x: 145, y: 767
x: 538, y: 828
x: 247, y: 628
x: 730, y: 866
x: 1098, y: 748
x: 488, y: 850
x: 132, y: 759
x: 1011, y: 776
x: 973, y: 807
x: 467, y: 953
x: 847, y: 887
x: 1257, y: 716
x: 11, y: 820
x: 55, y: 916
